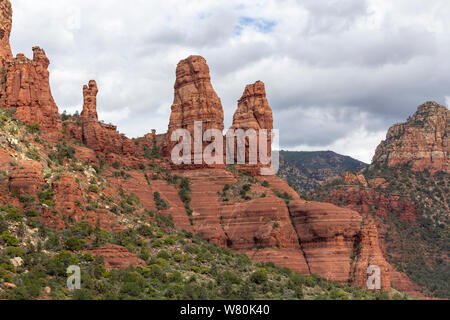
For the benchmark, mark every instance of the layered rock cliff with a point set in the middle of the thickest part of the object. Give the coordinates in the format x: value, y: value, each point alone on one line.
x: 115, y: 185
x: 423, y: 142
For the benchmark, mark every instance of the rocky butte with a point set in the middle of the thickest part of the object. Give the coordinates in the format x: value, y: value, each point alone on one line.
x: 422, y: 142
x: 257, y: 215
x: 405, y: 191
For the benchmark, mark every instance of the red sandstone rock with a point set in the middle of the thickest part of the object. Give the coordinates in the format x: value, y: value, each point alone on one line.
x: 369, y: 254
x: 327, y: 234
x: 367, y: 200
x: 254, y: 113
x: 356, y: 179
x: 27, y: 89
x: 423, y: 141
x: 117, y: 257
x: 90, y: 101
x: 67, y: 193
x: 5, y: 31
x: 195, y: 100
x: 27, y: 178
x: 103, y: 138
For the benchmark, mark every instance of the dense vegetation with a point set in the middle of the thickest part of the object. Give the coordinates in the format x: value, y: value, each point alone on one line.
x: 420, y: 249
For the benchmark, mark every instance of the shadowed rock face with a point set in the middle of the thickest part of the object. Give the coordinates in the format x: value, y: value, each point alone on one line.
x: 423, y: 141
x: 5, y: 30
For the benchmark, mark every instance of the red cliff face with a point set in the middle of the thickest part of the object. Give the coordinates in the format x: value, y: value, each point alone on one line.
x: 5, y: 31
x: 195, y: 100
x: 423, y: 141
x: 27, y: 178
x: 27, y: 89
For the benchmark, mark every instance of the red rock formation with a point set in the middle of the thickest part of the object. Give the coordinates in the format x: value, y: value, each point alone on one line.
x: 368, y: 254
x: 117, y: 257
x: 26, y: 178
x: 195, y: 100
x: 368, y: 200
x: 327, y: 235
x: 423, y: 141
x: 67, y: 193
x: 254, y: 113
x: 5, y: 31
x: 90, y: 102
x: 354, y: 179
x: 103, y: 138
x: 27, y: 89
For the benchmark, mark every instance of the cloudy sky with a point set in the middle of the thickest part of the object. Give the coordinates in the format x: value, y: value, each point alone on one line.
x: 338, y: 74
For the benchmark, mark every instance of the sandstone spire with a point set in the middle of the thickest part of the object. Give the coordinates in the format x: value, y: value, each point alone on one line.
x: 253, y: 109
x: 5, y: 30
x: 255, y: 113
x: 90, y: 101
x: 423, y: 141
x: 195, y: 100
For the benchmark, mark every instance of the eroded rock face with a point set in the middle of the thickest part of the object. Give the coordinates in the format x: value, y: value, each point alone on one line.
x: 67, y: 193
x: 27, y: 89
x: 90, y: 101
x: 423, y: 141
x: 5, y: 31
x: 195, y: 100
x: 368, y: 254
x: 99, y: 136
x: 117, y: 257
x: 327, y: 234
x: 27, y: 178
x: 254, y: 113
x: 253, y: 110
x: 354, y: 179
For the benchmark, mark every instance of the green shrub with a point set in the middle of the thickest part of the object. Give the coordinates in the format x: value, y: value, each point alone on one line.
x: 9, y: 239
x: 259, y: 276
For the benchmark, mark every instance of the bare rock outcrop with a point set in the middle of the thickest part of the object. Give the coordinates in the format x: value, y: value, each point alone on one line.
x: 423, y: 141
x: 254, y: 113
x: 27, y: 90
x: 368, y: 253
x: 5, y: 31
x: 117, y: 257
x: 195, y: 100
x: 27, y: 178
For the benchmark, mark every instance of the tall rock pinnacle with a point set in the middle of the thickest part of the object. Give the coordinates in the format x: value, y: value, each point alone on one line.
x: 195, y: 99
x: 90, y: 101
x: 253, y: 109
x: 5, y: 30
x: 423, y: 141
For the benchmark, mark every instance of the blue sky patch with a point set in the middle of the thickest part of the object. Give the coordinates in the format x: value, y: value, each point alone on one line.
x: 262, y: 25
